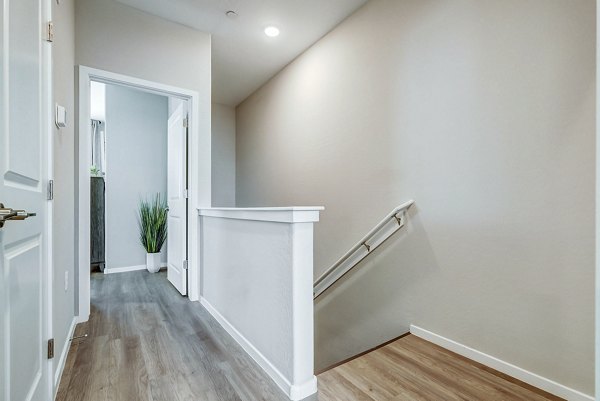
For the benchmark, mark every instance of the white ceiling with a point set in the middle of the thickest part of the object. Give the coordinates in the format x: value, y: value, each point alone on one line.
x: 243, y: 57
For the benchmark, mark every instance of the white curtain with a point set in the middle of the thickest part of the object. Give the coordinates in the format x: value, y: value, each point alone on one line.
x: 98, y: 146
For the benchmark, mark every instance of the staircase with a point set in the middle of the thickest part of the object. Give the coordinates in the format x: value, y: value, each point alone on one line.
x: 408, y: 367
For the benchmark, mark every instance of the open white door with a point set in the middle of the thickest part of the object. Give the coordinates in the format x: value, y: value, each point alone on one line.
x: 24, y: 143
x: 177, y: 200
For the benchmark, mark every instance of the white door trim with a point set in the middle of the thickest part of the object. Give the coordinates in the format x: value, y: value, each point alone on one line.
x: 597, y: 250
x: 48, y: 147
x: 199, y: 181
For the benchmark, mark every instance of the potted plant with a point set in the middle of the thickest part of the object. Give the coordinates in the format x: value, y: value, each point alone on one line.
x: 152, y: 220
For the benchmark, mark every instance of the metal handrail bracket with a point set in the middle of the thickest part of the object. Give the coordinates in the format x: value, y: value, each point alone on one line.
x: 374, y: 238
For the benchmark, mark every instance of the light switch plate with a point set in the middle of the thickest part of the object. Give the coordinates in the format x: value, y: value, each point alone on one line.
x: 61, y: 116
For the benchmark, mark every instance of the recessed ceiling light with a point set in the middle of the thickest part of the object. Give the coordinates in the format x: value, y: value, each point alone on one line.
x: 272, y: 31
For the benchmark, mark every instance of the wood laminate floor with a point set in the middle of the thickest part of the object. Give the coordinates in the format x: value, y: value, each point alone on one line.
x: 146, y: 342
x: 413, y: 369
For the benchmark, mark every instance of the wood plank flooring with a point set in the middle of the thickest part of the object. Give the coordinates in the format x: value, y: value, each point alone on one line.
x: 146, y: 342
x: 413, y: 369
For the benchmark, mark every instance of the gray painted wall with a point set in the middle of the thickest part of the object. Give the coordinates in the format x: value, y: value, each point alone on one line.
x: 223, y: 155
x: 136, y: 167
x: 63, y: 251
x: 483, y: 112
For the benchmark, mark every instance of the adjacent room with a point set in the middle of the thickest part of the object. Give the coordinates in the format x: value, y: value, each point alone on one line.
x: 138, y: 180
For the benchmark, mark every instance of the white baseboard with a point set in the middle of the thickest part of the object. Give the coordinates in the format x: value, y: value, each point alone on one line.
x: 60, y: 367
x: 81, y: 319
x: 293, y: 391
x: 502, y: 366
x: 125, y: 269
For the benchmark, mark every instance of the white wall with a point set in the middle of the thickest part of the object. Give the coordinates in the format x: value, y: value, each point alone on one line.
x: 63, y: 302
x: 258, y: 270
x: 483, y: 112
x: 113, y: 37
x: 121, y: 39
x: 260, y: 309
x: 136, y: 168
x: 116, y: 38
x: 223, y: 155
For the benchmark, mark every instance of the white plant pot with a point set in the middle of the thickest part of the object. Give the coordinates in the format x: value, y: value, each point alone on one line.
x: 153, y: 262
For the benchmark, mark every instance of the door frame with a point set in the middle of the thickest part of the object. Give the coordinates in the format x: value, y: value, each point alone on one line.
x: 199, y: 174
x: 597, y: 217
x: 48, y: 147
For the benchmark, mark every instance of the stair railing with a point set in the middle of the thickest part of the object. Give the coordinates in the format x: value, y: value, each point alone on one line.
x: 393, y: 222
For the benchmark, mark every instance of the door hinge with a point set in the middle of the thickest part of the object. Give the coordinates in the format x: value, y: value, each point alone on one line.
x: 186, y: 193
x: 50, y: 32
x: 51, y: 348
x: 185, y: 265
x: 50, y: 193
x: 185, y: 122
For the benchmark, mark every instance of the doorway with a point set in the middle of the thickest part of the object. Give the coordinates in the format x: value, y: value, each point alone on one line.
x: 137, y: 151
x: 139, y: 157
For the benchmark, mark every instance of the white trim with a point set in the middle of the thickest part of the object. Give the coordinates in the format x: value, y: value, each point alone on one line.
x: 597, y: 216
x: 48, y: 144
x: 81, y: 319
x: 295, y: 214
x: 294, y: 392
x: 266, y: 209
x: 60, y: 367
x: 125, y: 269
x: 502, y: 366
x: 199, y: 185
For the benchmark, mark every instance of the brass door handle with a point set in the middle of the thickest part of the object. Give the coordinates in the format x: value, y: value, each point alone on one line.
x: 7, y: 213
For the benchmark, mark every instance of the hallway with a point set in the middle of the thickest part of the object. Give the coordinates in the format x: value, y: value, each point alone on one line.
x: 147, y: 342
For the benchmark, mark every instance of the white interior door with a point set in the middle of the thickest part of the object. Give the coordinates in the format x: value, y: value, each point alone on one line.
x: 177, y: 200
x: 24, y: 143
